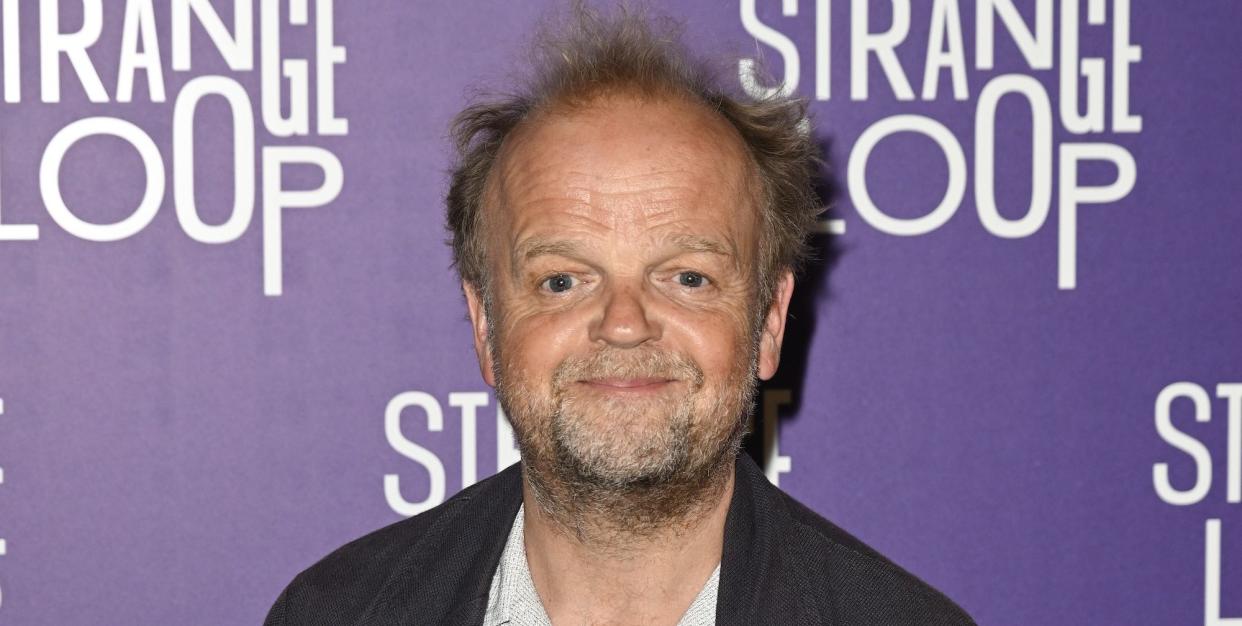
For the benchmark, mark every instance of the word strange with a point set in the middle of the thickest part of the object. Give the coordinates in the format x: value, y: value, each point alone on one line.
x: 420, y: 404
x: 140, y: 53
x: 1082, y: 89
x: 1201, y: 455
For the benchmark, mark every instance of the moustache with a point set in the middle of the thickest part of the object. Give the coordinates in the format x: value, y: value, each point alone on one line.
x: 628, y: 364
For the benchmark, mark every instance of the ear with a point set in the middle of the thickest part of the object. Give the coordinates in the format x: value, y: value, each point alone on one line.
x: 774, y: 327
x: 478, y: 325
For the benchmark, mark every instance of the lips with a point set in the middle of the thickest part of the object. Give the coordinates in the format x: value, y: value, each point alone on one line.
x: 627, y: 384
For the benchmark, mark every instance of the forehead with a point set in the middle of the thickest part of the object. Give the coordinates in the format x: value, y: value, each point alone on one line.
x: 650, y: 167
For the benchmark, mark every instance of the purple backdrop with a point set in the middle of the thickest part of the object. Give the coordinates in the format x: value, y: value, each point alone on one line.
x: 177, y: 441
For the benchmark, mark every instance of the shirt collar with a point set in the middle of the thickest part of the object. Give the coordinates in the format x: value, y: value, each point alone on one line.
x: 513, y: 600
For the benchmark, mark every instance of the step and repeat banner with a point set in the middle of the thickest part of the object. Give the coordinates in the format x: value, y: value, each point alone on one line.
x: 231, y: 339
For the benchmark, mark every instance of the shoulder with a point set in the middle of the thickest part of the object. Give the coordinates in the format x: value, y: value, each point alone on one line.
x: 859, y: 585
x: 344, y: 585
x: 788, y: 564
x: 346, y: 580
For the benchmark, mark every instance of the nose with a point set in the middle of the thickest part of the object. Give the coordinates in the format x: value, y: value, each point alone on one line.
x: 626, y: 320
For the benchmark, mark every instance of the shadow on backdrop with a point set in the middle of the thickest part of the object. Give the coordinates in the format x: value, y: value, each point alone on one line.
x: 811, y: 293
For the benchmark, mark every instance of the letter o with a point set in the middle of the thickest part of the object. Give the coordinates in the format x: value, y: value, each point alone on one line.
x: 857, y: 175
x: 49, y: 178
x: 1041, y: 156
x: 243, y: 159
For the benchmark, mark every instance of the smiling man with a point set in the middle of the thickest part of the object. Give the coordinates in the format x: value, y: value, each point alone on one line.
x: 627, y: 236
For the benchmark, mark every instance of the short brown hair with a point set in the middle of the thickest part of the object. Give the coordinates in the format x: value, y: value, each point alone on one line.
x: 630, y: 51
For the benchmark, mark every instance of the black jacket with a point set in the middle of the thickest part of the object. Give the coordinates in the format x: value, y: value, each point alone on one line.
x: 782, y: 564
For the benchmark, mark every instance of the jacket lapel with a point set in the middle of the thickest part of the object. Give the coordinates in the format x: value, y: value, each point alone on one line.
x: 747, y: 545
x: 445, y: 576
x: 757, y: 581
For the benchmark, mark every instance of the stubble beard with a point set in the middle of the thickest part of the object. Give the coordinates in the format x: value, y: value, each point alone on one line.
x: 612, y: 469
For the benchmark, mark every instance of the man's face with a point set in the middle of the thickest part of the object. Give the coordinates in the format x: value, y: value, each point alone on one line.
x: 622, y: 241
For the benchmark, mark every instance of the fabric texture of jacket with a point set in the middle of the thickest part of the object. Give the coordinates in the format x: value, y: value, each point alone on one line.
x: 782, y: 564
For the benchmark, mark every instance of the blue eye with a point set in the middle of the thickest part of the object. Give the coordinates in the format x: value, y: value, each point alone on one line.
x: 559, y: 283
x: 691, y: 279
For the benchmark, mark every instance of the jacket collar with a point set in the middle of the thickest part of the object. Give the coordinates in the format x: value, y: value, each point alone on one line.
x: 747, y: 544
x: 446, y: 572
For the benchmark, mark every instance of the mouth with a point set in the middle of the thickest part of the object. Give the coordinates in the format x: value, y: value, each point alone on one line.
x: 628, y: 385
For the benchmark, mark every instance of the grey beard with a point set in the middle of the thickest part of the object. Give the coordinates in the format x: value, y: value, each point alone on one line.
x: 584, y: 486
x: 603, y: 511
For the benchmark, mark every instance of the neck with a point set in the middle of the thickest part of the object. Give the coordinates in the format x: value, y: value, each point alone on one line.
x: 587, y: 568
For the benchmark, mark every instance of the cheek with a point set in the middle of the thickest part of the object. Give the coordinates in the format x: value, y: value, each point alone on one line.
x: 532, y: 345
x: 716, y: 341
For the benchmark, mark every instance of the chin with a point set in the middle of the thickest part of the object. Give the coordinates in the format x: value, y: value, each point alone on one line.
x: 633, y: 446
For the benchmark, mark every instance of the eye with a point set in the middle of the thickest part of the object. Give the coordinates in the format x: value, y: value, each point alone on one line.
x: 558, y: 283
x: 691, y: 279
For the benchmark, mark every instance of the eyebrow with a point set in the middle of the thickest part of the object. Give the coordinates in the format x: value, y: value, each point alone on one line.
x: 536, y: 247
x: 697, y: 243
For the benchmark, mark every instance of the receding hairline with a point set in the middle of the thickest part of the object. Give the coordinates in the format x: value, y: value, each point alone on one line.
x: 750, y: 186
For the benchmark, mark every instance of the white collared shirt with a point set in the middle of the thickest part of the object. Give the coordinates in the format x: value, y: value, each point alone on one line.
x: 513, y: 600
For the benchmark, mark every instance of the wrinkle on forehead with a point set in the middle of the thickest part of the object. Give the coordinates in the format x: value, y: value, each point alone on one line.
x: 674, y: 160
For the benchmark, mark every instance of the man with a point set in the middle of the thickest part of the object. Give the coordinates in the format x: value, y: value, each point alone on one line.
x: 627, y: 237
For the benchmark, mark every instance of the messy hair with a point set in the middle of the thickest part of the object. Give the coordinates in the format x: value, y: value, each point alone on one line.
x: 591, y: 54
